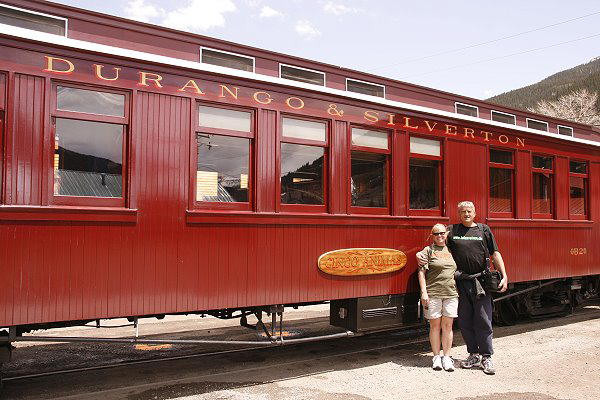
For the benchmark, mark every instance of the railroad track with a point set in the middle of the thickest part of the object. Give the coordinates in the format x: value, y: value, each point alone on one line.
x: 221, y: 369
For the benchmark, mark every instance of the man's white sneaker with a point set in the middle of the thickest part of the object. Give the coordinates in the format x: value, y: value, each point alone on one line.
x: 448, y: 363
x: 437, y: 363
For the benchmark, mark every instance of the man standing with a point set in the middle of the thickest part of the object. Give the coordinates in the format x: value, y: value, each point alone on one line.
x: 470, y: 244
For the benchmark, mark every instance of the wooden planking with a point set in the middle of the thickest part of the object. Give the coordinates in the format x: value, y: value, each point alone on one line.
x: 465, y: 182
x: 24, y: 140
x: 160, y: 137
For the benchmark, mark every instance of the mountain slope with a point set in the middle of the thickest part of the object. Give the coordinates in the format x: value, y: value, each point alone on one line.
x: 564, y: 82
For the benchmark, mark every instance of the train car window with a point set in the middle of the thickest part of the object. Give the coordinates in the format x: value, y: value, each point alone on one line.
x: 543, y: 187
x: 223, y: 153
x: 90, y: 101
x: 303, y: 129
x: 501, y: 183
x: 36, y: 21
x: 88, y: 158
x: 426, y: 147
x: 578, y: 189
x: 222, y: 169
x: 504, y: 117
x: 425, y: 175
x: 542, y: 162
x: 303, y: 162
x: 565, y: 130
x: 223, y: 118
x: 226, y: 59
x: 501, y: 157
x: 538, y: 125
x: 301, y: 74
x: 369, y: 166
x: 465, y: 109
x: 89, y: 131
x: 372, y: 89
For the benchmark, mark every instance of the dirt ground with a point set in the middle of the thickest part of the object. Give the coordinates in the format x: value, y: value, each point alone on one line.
x: 549, y: 359
x: 555, y: 359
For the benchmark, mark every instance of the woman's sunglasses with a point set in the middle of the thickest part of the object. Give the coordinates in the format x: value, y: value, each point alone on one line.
x: 438, y: 233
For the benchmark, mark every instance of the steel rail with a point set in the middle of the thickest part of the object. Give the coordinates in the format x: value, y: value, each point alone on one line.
x: 217, y: 353
x: 276, y: 341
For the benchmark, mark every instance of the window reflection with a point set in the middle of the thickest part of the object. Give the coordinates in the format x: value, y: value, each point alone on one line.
x: 501, y: 190
x: 542, y: 194
x: 369, y: 179
x: 90, y: 101
x: 88, y: 158
x: 301, y: 174
x: 222, y: 168
x: 577, y: 195
x: 424, y: 184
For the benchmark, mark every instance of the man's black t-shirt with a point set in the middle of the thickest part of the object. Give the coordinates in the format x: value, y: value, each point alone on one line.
x: 466, y: 245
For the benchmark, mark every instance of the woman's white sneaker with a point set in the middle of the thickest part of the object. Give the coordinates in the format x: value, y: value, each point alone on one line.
x: 448, y: 363
x: 437, y: 363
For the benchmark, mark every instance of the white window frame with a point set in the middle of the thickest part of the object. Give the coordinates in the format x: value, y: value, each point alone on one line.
x: 456, y: 103
x: 368, y: 83
x: 230, y: 53
x: 564, y: 126
x: 503, y: 113
x: 537, y: 120
x: 304, y: 69
x: 66, y: 20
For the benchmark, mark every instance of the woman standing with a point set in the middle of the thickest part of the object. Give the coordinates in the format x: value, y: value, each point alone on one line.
x: 439, y: 297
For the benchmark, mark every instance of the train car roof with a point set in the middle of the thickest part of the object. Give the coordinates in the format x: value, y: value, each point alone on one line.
x: 102, y: 49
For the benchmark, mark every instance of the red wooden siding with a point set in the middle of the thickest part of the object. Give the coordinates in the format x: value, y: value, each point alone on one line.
x: 24, y: 163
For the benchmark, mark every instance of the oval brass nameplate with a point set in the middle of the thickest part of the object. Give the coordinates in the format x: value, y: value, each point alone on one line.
x: 353, y: 262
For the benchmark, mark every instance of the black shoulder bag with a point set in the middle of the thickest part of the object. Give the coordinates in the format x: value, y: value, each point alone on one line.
x: 490, y: 280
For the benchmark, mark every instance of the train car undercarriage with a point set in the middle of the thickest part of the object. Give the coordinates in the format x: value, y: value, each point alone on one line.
x: 527, y: 300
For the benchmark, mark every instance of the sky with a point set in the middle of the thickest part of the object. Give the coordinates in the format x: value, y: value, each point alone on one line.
x: 472, y: 48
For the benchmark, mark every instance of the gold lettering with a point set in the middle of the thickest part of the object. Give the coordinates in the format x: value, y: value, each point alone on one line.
x: 192, y: 85
x: 451, y: 130
x: 391, y: 119
x: 226, y: 89
x: 487, y: 135
x: 333, y: 110
x: 266, y: 100
x: 98, y: 72
x: 300, y: 105
x: 407, y: 124
x: 372, y: 116
x: 50, y: 65
x: 149, y: 76
x: 520, y: 142
x: 430, y: 127
x: 469, y: 132
x: 503, y: 139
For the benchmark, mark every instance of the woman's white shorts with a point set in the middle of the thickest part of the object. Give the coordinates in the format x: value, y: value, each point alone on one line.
x: 442, y: 307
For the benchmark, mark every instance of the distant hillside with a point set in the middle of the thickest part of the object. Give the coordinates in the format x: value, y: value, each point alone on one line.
x: 582, y: 76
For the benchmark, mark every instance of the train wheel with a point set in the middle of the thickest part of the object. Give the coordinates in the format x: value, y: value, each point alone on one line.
x: 507, y: 313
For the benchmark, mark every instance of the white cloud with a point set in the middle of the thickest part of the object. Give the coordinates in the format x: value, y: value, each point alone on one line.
x: 199, y: 15
x: 338, y: 8
x: 140, y: 11
x: 268, y: 12
x: 306, y: 29
x: 252, y: 3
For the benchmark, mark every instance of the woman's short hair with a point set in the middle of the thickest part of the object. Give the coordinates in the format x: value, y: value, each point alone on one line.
x: 438, y: 226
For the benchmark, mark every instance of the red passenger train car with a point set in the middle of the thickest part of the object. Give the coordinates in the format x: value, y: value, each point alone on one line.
x: 146, y: 171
